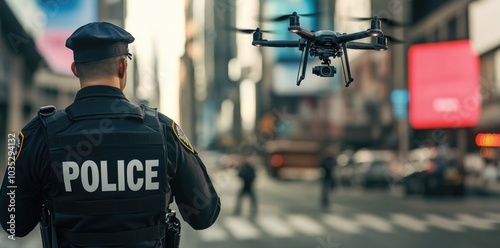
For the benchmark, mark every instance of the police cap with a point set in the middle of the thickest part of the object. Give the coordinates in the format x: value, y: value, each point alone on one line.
x: 98, y: 40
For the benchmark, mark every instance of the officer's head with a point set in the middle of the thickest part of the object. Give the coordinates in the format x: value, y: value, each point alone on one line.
x: 100, y: 52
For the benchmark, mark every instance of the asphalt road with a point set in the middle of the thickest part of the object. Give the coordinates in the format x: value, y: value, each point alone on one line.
x: 289, y: 216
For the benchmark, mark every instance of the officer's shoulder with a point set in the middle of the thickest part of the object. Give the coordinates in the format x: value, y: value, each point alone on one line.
x: 36, y: 123
x: 32, y: 126
x: 165, y: 119
x: 168, y: 122
x: 177, y: 132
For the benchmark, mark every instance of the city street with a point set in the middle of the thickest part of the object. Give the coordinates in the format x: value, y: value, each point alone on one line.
x: 289, y: 216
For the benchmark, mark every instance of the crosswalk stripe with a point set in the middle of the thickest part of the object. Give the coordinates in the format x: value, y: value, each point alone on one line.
x: 493, y: 217
x: 287, y: 226
x: 374, y: 222
x: 241, y: 228
x: 444, y: 223
x: 341, y: 224
x: 475, y: 222
x: 274, y: 226
x: 213, y: 233
x: 305, y: 224
x: 409, y: 222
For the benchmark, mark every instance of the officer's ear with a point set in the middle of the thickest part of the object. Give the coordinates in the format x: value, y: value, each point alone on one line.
x: 73, y: 69
x: 122, y: 69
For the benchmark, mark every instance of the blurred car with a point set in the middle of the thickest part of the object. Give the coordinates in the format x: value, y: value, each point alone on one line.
x: 369, y: 168
x: 286, y: 154
x: 373, y: 173
x: 434, y: 170
x: 345, y: 167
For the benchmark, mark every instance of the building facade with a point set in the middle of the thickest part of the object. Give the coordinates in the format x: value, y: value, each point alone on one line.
x: 439, y: 21
x: 18, y: 62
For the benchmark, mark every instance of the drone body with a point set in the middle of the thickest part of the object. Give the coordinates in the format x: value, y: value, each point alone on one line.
x: 325, y: 44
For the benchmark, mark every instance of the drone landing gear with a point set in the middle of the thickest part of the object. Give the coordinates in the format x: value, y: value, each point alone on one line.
x: 349, y: 79
x: 305, y: 54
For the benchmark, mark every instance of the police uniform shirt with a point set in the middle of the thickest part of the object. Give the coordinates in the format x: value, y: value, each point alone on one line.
x: 189, y: 182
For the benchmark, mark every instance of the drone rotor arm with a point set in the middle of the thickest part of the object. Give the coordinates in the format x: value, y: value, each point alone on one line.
x: 359, y: 35
x: 276, y: 43
x: 361, y: 45
x: 301, y: 32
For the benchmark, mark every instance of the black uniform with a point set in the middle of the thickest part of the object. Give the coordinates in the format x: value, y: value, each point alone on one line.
x: 105, y: 168
x: 38, y: 178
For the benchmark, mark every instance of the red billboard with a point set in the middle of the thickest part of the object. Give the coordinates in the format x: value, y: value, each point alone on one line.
x: 443, y: 84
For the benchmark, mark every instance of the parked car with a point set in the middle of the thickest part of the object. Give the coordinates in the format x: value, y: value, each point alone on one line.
x: 345, y: 167
x: 373, y: 173
x: 434, y: 170
x: 369, y: 168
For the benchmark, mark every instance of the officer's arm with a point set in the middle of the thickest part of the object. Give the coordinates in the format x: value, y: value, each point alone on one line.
x: 194, y: 193
x: 21, y: 194
x: 192, y: 188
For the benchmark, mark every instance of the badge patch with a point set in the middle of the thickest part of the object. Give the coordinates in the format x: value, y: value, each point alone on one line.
x: 182, y: 137
x: 18, y: 147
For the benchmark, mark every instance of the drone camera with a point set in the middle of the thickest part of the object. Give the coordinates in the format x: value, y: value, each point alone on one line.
x: 324, y: 71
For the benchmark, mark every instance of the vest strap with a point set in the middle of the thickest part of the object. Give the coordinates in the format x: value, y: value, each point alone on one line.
x: 115, y: 238
x: 57, y: 122
x: 150, y: 116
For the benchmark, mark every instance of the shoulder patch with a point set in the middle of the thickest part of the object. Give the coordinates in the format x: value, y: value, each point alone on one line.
x: 18, y: 147
x: 182, y: 137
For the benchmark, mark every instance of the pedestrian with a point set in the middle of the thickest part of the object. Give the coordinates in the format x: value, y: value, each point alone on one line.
x: 103, y: 169
x: 490, y: 173
x: 327, y: 168
x: 246, y: 172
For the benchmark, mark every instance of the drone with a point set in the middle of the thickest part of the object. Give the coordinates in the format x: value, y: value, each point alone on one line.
x: 325, y: 44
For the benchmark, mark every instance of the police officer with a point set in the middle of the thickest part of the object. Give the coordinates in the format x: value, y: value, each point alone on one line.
x: 104, y: 169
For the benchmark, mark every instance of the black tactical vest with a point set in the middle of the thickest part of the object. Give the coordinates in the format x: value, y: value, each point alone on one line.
x: 109, y: 180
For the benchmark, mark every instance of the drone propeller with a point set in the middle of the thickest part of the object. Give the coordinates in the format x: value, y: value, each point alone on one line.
x: 386, y: 21
x: 285, y: 17
x: 248, y: 31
